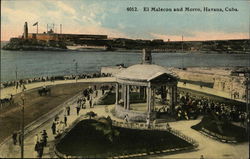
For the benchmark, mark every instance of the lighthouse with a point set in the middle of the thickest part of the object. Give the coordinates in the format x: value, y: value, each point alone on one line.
x: 25, y: 32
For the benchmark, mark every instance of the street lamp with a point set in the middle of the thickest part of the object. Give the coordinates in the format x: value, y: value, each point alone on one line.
x: 22, y: 134
x: 76, y: 67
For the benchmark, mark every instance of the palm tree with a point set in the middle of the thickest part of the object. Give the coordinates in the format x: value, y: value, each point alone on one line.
x: 105, y: 125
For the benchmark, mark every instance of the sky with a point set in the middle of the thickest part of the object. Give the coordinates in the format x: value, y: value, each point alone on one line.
x: 110, y: 17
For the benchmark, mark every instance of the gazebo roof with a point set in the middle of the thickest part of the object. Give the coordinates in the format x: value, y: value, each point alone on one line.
x: 144, y: 72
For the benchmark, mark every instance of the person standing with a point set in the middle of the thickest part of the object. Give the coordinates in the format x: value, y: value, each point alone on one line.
x: 14, y: 137
x: 39, y: 150
x: 68, y: 110
x: 20, y: 136
x: 78, y: 109
x: 65, y: 120
x: 53, y: 128
x: 44, y: 137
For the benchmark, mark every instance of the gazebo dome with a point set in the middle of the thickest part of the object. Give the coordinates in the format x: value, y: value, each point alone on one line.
x: 143, y: 72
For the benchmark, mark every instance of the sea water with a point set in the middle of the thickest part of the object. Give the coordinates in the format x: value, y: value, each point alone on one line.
x: 30, y: 64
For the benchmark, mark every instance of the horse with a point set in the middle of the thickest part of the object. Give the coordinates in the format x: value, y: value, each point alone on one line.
x: 44, y: 91
x: 7, y: 101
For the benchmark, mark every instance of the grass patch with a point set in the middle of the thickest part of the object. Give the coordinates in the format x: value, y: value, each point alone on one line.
x: 86, y: 141
x: 228, y: 130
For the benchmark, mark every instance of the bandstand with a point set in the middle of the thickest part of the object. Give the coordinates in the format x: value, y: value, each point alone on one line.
x: 145, y: 79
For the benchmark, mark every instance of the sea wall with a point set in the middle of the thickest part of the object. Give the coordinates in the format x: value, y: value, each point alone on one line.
x: 221, y: 79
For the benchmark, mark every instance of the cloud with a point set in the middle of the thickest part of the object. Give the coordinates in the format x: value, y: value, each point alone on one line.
x: 66, y: 8
x: 93, y: 14
x: 201, y: 36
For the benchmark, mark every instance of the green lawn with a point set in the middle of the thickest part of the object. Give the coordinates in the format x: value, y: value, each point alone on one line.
x: 84, y: 140
x: 228, y: 129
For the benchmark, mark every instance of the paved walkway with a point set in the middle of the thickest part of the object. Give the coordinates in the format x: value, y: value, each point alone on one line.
x: 208, y: 147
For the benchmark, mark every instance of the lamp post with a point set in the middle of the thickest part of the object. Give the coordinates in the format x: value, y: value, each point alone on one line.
x: 22, y: 134
x: 76, y: 67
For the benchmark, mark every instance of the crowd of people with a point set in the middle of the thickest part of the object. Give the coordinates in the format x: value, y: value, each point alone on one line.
x: 21, y: 82
x: 191, y: 106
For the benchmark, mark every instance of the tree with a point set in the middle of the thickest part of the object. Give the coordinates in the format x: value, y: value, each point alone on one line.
x: 105, y: 125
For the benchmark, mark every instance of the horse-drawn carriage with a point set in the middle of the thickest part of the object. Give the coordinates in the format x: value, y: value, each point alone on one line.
x: 8, y: 101
x: 44, y: 91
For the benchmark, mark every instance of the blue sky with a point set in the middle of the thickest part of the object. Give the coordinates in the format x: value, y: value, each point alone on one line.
x: 112, y: 18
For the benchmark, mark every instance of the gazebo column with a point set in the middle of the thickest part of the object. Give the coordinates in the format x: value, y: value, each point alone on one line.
x: 149, y: 98
x: 175, y: 95
x: 153, y: 100
x: 117, y: 94
x: 122, y: 92
x: 124, y: 96
x: 167, y: 93
x: 172, y: 98
x: 127, y: 101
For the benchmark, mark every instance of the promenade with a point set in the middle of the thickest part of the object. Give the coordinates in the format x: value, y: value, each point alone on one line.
x: 6, y: 92
x: 208, y: 147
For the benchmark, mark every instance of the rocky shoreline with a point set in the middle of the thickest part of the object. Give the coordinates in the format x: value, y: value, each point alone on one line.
x: 34, y: 45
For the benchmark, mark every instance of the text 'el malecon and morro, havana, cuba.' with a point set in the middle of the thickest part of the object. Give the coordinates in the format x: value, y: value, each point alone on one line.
x: 181, y: 9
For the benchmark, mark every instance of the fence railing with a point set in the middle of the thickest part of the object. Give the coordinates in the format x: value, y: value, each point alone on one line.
x: 162, y: 126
